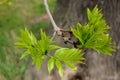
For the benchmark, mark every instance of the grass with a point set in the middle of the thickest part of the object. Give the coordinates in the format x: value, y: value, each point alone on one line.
x: 9, y: 67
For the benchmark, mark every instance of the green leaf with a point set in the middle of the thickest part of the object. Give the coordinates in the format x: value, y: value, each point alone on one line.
x: 45, y: 44
x: 51, y: 63
x: 26, y: 39
x: 26, y: 53
x: 78, y: 33
x: 71, y: 55
x: 89, y: 13
x: 51, y: 47
x: 20, y: 44
x: 39, y: 62
x: 71, y: 65
x: 33, y: 39
x: 59, y: 67
x: 37, y: 59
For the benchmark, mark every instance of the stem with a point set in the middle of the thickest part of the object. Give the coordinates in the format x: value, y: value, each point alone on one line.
x: 65, y: 30
x: 53, y: 36
x: 70, y: 42
x: 56, y: 28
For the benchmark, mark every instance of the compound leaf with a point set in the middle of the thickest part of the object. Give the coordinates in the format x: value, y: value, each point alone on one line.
x: 69, y: 57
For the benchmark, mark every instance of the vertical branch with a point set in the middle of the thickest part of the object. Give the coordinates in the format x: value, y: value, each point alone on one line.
x: 56, y: 28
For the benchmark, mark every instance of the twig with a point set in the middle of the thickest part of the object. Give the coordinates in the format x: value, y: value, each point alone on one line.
x: 65, y: 30
x: 53, y: 36
x: 56, y: 28
x: 66, y: 39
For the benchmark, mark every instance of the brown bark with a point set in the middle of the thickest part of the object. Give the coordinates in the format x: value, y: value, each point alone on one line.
x: 97, y: 67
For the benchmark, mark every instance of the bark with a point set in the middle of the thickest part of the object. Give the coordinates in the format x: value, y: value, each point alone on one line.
x: 98, y: 67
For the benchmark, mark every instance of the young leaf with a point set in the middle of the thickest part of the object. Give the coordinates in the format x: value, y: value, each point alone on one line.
x: 26, y: 53
x: 59, y: 67
x: 39, y: 62
x: 69, y: 55
x: 33, y: 39
x: 51, y: 47
x: 51, y: 63
x: 45, y: 44
x: 89, y: 13
x: 71, y: 65
x: 24, y: 39
x: 78, y: 33
x: 37, y: 59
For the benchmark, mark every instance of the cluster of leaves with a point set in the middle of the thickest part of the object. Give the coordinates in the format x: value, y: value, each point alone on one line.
x: 38, y: 49
x: 94, y: 34
x: 91, y: 35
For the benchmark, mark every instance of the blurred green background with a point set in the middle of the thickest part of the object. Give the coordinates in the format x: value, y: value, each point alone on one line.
x: 16, y: 15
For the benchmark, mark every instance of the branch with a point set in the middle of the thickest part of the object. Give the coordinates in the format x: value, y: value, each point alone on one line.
x: 53, y: 36
x: 56, y: 28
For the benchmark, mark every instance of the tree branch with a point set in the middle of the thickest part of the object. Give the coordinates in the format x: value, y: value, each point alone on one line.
x: 56, y: 28
x: 53, y: 36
